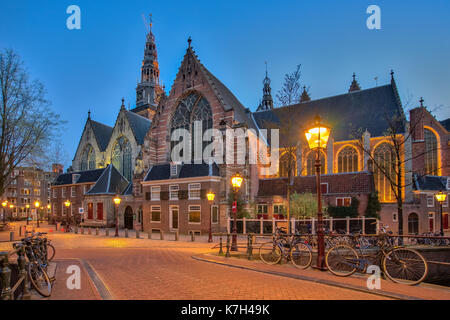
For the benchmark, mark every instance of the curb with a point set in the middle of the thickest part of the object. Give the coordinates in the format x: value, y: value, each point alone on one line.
x: 320, y: 281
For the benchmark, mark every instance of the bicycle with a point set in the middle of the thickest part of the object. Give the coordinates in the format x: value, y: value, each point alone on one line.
x: 50, y: 249
x: 399, y: 264
x: 292, y: 248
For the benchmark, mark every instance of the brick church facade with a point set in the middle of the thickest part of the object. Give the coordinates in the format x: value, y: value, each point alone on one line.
x: 161, y: 193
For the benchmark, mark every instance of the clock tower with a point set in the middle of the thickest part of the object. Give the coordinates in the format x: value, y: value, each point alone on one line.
x: 149, y: 89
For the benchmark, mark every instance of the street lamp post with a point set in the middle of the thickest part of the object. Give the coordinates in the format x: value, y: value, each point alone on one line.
x: 67, y: 204
x: 210, y: 195
x: 441, y: 197
x: 27, y: 206
x: 317, y: 138
x: 4, y: 204
x: 37, y: 205
x: 11, y: 206
x: 236, y: 182
x: 48, y: 213
x: 116, y: 213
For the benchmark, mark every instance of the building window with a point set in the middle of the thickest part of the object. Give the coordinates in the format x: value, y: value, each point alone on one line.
x: 394, y: 217
x: 194, y: 191
x: 430, y: 201
x: 64, y: 192
x: 37, y: 192
x: 100, y: 211
x: 156, y: 193
x: 431, y: 153
x: 347, y: 160
x: 287, y: 163
x: 324, y: 187
x: 121, y: 157
x: 194, y: 214
x: 445, y: 203
x: 88, y: 158
x: 215, y: 214
x: 173, y: 170
x: 311, y: 161
x: 279, y: 209
x: 90, y: 211
x: 173, y: 192
x: 155, y: 214
x: 262, y: 208
x: 25, y: 192
x: 384, y: 156
x: 73, y: 192
x: 343, y: 202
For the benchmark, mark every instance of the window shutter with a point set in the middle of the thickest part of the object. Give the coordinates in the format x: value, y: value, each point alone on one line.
x: 164, y: 195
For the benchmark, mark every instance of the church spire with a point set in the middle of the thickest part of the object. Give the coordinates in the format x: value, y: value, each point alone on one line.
x: 149, y: 89
x: 355, y: 85
x: 267, y: 101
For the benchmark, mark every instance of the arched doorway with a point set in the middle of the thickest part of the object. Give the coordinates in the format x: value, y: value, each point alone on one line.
x: 128, y: 218
x: 413, y: 223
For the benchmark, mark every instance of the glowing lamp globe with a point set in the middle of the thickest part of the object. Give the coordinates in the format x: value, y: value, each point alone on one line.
x: 67, y: 203
x: 37, y: 204
x: 117, y: 200
x: 210, y: 195
x: 441, y: 197
x: 318, y: 135
x: 236, y: 181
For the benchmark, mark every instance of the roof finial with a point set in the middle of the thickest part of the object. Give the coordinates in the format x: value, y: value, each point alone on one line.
x: 151, y: 22
x: 189, y: 41
x: 305, y: 96
x: 266, y: 68
x: 355, y: 85
x: 123, y: 103
x: 392, y: 74
x: 354, y: 76
x: 421, y: 102
x: 89, y: 114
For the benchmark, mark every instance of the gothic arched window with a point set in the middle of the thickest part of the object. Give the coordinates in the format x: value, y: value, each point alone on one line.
x: 347, y: 160
x: 384, y: 172
x: 121, y: 157
x: 287, y: 161
x: 311, y: 161
x: 189, y: 110
x: 88, y: 158
x: 431, y: 153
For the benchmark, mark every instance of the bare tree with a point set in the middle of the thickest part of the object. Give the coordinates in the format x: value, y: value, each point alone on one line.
x: 395, y: 164
x: 290, y: 92
x: 27, y: 123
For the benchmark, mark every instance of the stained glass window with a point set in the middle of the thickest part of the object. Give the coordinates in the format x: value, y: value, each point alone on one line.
x: 121, y: 157
x: 431, y: 153
x: 348, y: 160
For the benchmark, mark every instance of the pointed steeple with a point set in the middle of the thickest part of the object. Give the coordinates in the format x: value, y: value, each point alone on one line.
x: 122, y: 106
x: 305, y: 96
x: 267, y: 101
x: 355, y: 85
x: 89, y: 114
x: 149, y: 90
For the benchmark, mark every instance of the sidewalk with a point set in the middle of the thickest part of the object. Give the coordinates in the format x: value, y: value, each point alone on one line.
x: 354, y: 282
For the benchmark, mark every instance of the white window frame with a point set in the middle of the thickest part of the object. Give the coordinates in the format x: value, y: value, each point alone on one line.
x: 73, y: 192
x: 193, y: 208
x: 430, y: 196
x: 63, y: 192
x: 343, y: 201
x: 324, y: 183
x: 170, y: 191
x: 155, y: 190
x: 278, y: 205
x: 191, y: 188
x: 262, y: 205
x: 155, y: 209
x: 173, y: 170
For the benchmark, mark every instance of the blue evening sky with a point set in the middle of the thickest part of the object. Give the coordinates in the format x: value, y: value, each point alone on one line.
x: 93, y: 68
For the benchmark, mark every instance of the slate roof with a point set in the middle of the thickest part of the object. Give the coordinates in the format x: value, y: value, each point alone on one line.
x: 102, y: 133
x: 346, y: 113
x: 85, y: 176
x: 430, y: 183
x: 128, y: 190
x: 446, y: 124
x: 162, y: 171
x: 139, y: 125
x: 110, y: 182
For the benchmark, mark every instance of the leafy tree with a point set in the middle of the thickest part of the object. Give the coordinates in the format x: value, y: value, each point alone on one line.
x: 304, y: 205
x: 373, y: 206
x: 27, y: 125
x: 290, y: 92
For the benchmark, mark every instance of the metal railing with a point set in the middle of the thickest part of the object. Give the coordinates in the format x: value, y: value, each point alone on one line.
x: 14, y: 277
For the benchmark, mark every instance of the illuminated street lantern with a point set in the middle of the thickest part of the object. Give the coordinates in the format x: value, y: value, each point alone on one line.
x: 210, y: 195
x: 441, y: 197
x: 318, y: 135
x: 116, y: 201
x: 236, y: 181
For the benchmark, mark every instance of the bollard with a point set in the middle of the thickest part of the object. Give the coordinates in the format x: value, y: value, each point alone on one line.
x: 220, y: 245
x: 11, y: 236
x: 248, y: 242
x: 137, y: 234
x: 5, y: 277
x: 20, y: 231
x: 126, y: 233
x: 192, y: 236
x: 107, y: 232
x: 89, y: 231
x: 176, y: 235
x: 96, y: 231
x: 250, y: 247
x: 161, y: 235
x: 21, y: 263
x: 227, y: 254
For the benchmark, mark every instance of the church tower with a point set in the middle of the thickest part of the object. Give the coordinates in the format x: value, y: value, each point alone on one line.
x: 149, y: 90
x: 267, y: 101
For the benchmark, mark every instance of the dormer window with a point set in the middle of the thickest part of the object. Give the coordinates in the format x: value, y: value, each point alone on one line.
x: 173, y: 170
x: 75, y: 178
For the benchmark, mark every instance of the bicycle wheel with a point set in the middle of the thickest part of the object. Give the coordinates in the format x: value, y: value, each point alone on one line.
x: 342, y: 260
x: 270, y: 253
x: 301, y: 255
x: 39, y: 279
x: 405, y: 266
x: 50, y: 252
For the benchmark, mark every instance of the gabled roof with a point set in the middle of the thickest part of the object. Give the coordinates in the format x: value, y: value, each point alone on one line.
x: 102, y: 133
x: 110, y: 182
x: 430, y: 183
x: 162, y: 171
x: 128, y: 190
x: 446, y: 124
x: 84, y: 177
x: 345, y: 113
x: 139, y: 125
